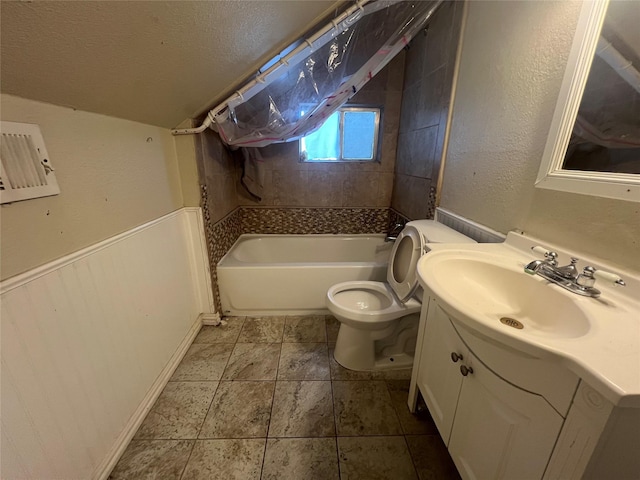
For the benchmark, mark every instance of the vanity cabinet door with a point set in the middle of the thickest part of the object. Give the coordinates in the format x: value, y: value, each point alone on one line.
x: 439, y: 378
x: 501, y: 431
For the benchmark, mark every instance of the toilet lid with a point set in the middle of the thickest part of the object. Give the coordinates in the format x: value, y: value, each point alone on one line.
x: 402, y: 274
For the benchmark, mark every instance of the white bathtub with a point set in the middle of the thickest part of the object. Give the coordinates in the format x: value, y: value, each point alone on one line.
x: 290, y: 274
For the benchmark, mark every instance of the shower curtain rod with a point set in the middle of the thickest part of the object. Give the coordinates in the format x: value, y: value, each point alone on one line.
x: 317, y: 40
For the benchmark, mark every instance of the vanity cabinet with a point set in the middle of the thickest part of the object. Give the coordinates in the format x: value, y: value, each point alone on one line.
x: 499, y: 430
x: 516, y: 416
x: 493, y: 428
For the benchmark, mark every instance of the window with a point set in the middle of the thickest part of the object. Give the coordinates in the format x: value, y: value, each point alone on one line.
x: 349, y: 135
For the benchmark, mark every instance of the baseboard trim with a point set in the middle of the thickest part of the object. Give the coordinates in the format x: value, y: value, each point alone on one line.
x: 104, y: 469
x: 210, y: 319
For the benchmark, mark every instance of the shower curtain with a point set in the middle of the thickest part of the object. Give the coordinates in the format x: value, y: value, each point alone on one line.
x: 306, y: 93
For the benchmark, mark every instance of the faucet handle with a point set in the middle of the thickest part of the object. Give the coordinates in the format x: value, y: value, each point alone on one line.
x: 551, y: 256
x: 586, y: 279
x: 609, y: 277
x: 590, y: 274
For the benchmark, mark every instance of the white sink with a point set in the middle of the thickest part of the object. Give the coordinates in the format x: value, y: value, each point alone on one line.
x: 477, y: 285
x: 480, y: 288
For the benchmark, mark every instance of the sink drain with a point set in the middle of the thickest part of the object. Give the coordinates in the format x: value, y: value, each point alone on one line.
x: 512, y: 322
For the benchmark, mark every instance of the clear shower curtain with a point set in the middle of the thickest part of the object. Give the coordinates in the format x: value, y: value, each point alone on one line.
x: 307, y: 93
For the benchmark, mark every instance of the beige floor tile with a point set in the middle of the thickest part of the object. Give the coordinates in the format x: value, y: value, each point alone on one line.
x: 179, y: 411
x: 375, y: 458
x: 431, y: 457
x: 418, y: 423
x: 333, y: 327
x: 239, y: 410
x: 364, y: 408
x: 262, y: 330
x: 301, y: 458
x: 227, y: 333
x: 305, y: 329
x: 304, y: 361
x: 302, y: 409
x: 153, y: 459
x: 400, y: 374
x: 203, y: 362
x: 225, y: 460
x: 296, y: 411
x: 253, y: 361
x: 338, y: 372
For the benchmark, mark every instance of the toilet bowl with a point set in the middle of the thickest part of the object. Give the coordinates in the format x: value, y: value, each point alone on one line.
x: 379, y: 320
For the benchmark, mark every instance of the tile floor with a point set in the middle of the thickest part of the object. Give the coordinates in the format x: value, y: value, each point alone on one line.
x: 263, y: 398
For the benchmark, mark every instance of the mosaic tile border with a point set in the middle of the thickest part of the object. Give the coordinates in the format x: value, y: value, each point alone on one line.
x: 431, y: 203
x: 220, y: 236
x: 305, y: 220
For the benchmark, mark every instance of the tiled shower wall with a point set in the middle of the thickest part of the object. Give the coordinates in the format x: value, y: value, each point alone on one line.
x: 301, y: 197
x: 291, y: 183
x: 428, y: 77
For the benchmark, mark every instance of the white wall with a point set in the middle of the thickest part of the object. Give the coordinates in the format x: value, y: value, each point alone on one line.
x: 113, y: 175
x: 88, y: 342
x: 101, y: 291
x: 511, y: 67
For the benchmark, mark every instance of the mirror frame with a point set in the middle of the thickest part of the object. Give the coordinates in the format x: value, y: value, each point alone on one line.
x: 551, y: 175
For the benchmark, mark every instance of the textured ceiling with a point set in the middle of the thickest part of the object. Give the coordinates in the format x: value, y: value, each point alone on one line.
x: 154, y: 62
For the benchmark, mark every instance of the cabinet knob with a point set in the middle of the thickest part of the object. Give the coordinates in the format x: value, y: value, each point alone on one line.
x: 464, y: 370
x: 455, y: 357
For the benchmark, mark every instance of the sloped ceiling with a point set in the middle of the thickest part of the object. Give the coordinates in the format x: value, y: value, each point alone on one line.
x: 156, y: 62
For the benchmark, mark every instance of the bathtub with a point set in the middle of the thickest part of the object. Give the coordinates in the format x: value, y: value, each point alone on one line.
x: 290, y: 274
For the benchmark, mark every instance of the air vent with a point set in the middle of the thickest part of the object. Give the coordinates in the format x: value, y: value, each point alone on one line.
x: 25, y: 168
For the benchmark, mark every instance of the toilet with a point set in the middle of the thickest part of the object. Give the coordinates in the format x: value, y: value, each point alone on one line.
x: 379, y: 320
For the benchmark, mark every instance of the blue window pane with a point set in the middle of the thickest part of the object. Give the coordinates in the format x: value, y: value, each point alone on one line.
x: 359, y: 135
x: 324, y: 143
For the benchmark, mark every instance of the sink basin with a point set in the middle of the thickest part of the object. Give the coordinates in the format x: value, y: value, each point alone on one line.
x: 499, y: 295
x: 598, y: 339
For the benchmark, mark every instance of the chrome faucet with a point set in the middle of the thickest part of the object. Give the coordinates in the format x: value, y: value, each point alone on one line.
x: 394, y: 231
x: 567, y: 276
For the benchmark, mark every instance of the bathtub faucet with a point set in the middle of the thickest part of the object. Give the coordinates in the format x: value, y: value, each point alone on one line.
x: 394, y: 232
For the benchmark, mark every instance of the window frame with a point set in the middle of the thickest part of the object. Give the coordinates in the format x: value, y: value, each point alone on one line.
x: 378, y: 110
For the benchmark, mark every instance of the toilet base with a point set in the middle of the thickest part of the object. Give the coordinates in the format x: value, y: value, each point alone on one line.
x: 391, y: 348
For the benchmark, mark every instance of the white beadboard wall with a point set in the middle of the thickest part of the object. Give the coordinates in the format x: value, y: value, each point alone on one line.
x: 88, y: 342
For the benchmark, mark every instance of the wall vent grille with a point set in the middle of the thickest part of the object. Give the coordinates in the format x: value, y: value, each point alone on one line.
x: 25, y: 168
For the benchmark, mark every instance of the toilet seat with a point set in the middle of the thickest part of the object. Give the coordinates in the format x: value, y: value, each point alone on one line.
x: 368, y: 305
x: 379, y: 320
x: 402, y: 274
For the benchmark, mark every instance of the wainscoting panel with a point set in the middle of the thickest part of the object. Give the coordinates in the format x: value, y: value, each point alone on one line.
x: 88, y: 340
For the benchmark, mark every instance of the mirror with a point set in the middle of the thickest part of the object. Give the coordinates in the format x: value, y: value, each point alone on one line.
x: 594, y: 144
